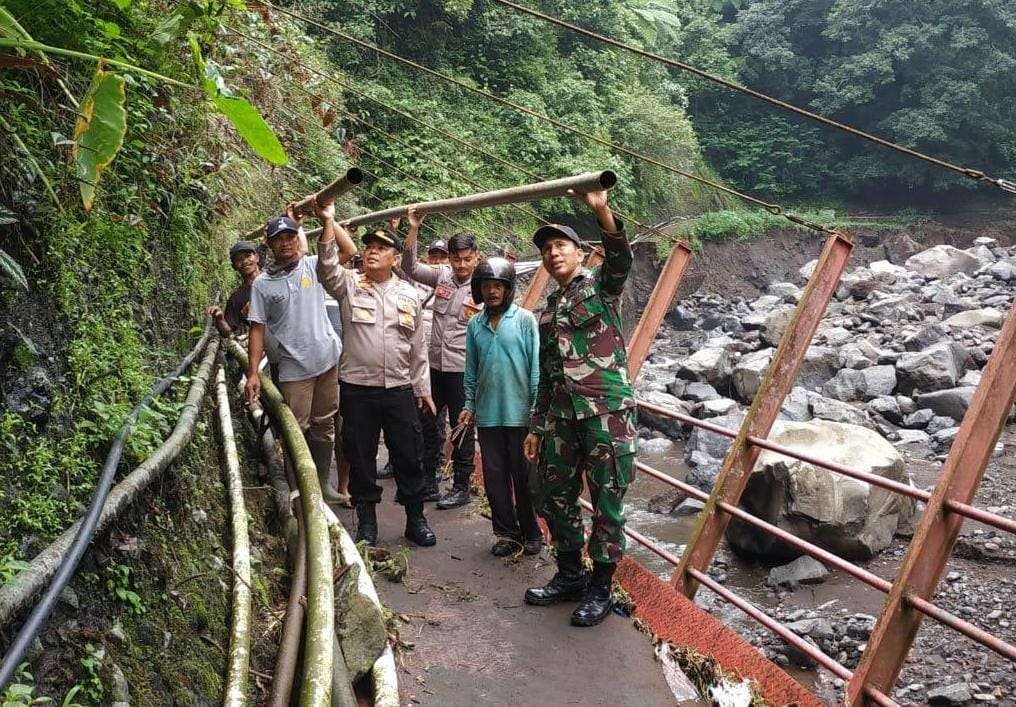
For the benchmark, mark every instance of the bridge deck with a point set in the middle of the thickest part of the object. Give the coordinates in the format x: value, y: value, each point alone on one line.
x: 476, y: 642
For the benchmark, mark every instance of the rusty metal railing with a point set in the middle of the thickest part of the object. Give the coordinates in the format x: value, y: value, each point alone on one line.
x: 946, y: 506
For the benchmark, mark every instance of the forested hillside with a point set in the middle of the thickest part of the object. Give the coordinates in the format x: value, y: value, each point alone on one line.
x: 937, y: 76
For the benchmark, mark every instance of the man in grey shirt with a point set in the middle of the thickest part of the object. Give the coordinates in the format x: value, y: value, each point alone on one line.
x: 289, y: 301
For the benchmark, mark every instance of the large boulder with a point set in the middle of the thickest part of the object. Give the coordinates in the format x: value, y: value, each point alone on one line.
x: 663, y: 423
x: 749, y: 371
x: 710, y: 365
x: 836, y: 411
x: 776, y: 323
x: 850, y: 384
x: 988, y: 316
x: 709, y: 443
x: 1004, y: 270
x: 820, y: 364
x: 939, y: 366
x: 846, y: 516
x: 942, y: 261
x: 952, y: 402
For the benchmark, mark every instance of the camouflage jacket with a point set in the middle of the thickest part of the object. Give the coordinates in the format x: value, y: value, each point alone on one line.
x: 583, y: 360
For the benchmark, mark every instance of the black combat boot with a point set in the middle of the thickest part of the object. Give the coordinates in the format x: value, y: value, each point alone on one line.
x: 596, y: 604
x: 458, y: 496
x: 568, y: 584
x: 366, y: 523
x: 417, y: 530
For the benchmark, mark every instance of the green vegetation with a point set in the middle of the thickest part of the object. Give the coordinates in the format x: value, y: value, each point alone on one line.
x: 936, y: 76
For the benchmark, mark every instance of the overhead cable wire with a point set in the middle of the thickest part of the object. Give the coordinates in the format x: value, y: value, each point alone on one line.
x: 430, y: 126
x: 976, y: 174
x: 772, y: 208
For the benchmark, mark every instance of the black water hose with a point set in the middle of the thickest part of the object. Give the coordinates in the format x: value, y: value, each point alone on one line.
x: 37, y: 619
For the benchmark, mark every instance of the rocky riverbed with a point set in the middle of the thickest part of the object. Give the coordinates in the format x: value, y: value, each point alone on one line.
x: 885, y: 385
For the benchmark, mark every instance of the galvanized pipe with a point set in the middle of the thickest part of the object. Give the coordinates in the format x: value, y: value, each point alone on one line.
x: 305, y: 207
x: 579, y: 184
x: 345, y: 183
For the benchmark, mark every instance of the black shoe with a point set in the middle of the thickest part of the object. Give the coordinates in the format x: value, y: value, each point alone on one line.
x: 386, y: 472
x: 569, y: 584
x: 366, y: 523
x: 505, y: 547
x: 417, y: 530
x: 458, y: 496
x: 595, y: 606
x: 532, y: 547
x: 431, y: 494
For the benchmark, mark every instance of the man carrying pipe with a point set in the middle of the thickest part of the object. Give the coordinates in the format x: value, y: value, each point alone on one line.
x: 583, y: 422
x: 453, y: 306
x: 288, y: 301
x: 383, y: 376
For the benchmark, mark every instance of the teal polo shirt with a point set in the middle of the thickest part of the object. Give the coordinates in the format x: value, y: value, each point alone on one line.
x: 502, y: 368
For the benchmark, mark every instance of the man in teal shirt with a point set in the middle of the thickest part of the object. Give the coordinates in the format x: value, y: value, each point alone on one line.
x: 501, y: 376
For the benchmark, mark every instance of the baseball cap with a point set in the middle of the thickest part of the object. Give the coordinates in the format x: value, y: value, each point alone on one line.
x: 555, y: 229
x: 439, y: 246
x: 241, y: 247
x: 280, y: 224
x: 385, y: 236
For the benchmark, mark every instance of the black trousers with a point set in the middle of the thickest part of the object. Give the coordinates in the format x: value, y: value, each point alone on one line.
x: 449, y: 393
x: 506, y: 477
x: 433, y: 444
x: 366, y: 411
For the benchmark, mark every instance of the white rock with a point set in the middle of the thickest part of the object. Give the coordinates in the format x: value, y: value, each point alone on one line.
x: 941, y: 261
x: 749, y: 371
x: 711, y: 365
x: 976, y: 317
x: 808, y: 269
x: 844, y: 515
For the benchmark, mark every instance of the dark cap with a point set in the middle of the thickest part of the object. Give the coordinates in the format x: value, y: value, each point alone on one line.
x: 438, y: 246
x: 280, y: 224
x: 552, y: 230
x: 241, y: 247
x: 385, y: 236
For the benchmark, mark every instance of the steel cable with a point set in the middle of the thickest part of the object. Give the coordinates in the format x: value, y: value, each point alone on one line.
x: 440, y: 131
x: 976, y: 174
x: 772, y: 208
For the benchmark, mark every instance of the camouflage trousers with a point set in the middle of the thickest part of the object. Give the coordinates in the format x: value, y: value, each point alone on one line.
x: 602, y: 450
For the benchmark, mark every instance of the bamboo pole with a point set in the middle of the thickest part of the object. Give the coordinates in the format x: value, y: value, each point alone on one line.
x: 568, y: 186
x: 238, y: 665
x: 305, y: 207
x: 317, y: 661
x: 15, y: 596
x: 292, y: 627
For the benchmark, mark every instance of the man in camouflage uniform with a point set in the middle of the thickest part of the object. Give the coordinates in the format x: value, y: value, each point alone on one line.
x: 583, y: 422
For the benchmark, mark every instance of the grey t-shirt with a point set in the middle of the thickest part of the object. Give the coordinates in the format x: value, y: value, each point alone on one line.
x: 292, y: 306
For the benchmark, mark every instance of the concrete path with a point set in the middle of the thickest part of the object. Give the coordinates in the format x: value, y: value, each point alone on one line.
x: 476, y: 643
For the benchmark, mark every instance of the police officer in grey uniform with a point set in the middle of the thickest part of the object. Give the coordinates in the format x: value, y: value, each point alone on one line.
x: 453, y: 307
x: 383, y: 377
